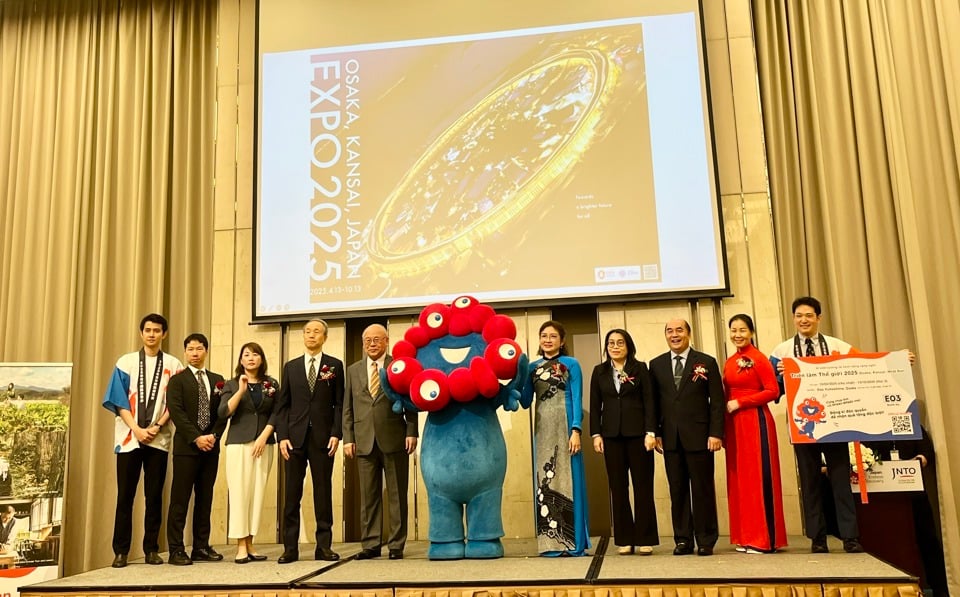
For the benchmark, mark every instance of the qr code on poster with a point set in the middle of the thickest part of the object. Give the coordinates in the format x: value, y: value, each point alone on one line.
x: 901, y: 424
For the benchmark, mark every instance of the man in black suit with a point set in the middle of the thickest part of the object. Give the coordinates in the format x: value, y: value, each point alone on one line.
x: 308, y: 419
x: 193, y: 398
x: 689, y: 394
x: 382, y: 442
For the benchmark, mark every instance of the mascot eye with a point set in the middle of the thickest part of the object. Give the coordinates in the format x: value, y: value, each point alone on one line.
x: 507, y: 351
x: 397, y: 367
x: 463, y: 302
x: 435, y: 320
x: 429, y: 390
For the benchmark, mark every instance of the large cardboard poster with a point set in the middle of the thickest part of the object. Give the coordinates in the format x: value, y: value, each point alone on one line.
x: 851, y: 397
x: 34, y: 418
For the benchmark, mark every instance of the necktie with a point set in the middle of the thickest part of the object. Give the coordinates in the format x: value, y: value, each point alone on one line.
x: 678, y: 370
x: 810, y: 352
x: 374, y: 379
x: 312, y: 373
x: 203, y: 406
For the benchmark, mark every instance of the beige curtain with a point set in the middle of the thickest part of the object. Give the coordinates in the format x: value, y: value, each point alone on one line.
x: 861, y: 103
x: 106, y: 205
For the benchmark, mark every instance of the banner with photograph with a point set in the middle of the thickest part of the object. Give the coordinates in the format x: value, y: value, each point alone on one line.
x: 34, y: 418
x: 851, y: 397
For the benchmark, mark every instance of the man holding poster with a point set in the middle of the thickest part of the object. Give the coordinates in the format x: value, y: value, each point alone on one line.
x: 809, y: 342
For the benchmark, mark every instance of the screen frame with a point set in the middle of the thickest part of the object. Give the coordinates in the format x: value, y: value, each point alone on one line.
x: 719, y: 292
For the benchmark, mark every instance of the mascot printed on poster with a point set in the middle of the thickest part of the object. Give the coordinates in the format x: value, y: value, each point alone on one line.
x: 808, y: 414
x: 459, y: 365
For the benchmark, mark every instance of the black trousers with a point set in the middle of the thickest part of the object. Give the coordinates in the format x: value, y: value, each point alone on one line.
x: 693, y: 498
x: 192, y: 474
x: 809, y: 463
x: 153, y: 463
x: 314, y: 453
x: 627, y: 457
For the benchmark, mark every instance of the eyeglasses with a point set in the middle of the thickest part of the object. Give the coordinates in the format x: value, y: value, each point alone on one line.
x: 616, y: 343
x: 369, y: 341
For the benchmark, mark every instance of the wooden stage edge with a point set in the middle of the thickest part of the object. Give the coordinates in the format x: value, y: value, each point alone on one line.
x: 793, y: 572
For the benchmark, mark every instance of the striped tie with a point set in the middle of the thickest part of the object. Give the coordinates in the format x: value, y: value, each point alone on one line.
x: 374, y: 379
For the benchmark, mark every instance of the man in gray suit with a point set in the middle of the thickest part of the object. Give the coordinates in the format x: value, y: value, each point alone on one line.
x: 382, y: 441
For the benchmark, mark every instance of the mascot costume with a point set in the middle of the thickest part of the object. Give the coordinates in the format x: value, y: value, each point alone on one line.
x: 459, y: 365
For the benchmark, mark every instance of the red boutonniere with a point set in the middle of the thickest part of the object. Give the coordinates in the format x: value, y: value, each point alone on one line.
x: 326, y: 373
x: 624, y: 378
x: 744, y: 363
x: 699, y: 372
x: 218, y: 388
x: 268, y: 388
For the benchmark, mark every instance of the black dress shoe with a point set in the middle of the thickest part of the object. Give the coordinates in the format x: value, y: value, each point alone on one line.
x: 256, y: 557
x: 205, y: 554
x: 368, y: 554
x: 326, y: 554
x: 288, y: 556
x: 179, y: 558
x: 153, y: 558
x: 683, y: 549
x: 120, y: 561
x: 819, y: 546
x: 705, y: 550
x: 396, y: 554
x: 244, y: 560
x: 852, y: 545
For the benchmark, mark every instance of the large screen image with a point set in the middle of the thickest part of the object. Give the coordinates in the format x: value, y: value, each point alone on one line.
x: 569, y: 158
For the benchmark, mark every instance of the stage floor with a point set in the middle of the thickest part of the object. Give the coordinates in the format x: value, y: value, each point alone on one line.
x: 520, y: 567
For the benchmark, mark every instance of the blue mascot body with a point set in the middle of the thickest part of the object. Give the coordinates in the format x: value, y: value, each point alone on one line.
x: 459, y: 365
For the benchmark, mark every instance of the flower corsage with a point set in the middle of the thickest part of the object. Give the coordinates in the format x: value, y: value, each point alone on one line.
x: 699, y: 372
x: 326, y: 373
x: 744, y: 363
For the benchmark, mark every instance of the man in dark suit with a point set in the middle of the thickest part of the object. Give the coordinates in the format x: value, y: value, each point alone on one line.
x: 689, y: 394
x: 193, y: 398
x: 308, y: 416
x: 382, y: 441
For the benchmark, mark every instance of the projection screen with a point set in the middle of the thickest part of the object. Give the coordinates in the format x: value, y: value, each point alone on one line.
x: 524, y: 152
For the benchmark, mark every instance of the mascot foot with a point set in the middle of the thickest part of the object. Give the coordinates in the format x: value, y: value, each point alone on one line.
x: 446, y: 551
x: 484, y: 550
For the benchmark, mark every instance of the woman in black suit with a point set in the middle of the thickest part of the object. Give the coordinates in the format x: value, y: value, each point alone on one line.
x: 621, y: 417
x: 251, y: 451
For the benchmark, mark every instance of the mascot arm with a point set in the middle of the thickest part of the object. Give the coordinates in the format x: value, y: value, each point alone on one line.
x: 400, y: 402
x: 511, y: 395
x: 525, y: 385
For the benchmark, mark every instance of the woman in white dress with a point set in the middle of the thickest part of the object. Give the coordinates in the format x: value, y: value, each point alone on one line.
x: 251, y: 446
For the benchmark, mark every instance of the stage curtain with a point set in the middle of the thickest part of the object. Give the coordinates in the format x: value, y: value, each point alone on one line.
x: 861, y: 114
x: 106, y: 186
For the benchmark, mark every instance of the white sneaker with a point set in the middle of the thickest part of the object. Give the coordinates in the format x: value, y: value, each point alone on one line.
x: 741, y: 549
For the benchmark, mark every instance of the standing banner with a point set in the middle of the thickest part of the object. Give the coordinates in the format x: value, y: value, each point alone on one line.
x: 851, y: 398
x: 34, y: 418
